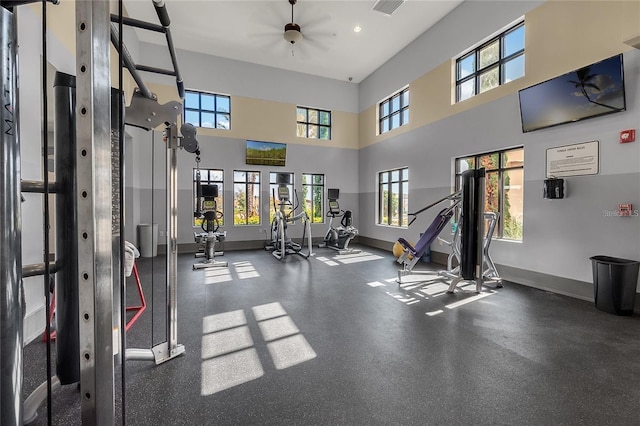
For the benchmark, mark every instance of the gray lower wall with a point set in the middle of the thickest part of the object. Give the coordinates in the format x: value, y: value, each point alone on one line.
x: 559, y: 235
x: 339, y: 166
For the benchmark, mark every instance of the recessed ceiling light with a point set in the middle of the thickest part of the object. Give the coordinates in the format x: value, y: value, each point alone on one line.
x: 357, y: 29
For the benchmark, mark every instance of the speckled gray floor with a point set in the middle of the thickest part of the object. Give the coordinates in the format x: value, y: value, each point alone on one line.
x: 334, y: 340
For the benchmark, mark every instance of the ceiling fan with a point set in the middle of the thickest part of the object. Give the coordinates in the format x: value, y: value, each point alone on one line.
x: 311, y: 18
x: 292, y: 33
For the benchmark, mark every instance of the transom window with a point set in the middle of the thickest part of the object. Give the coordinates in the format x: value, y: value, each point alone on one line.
x: 207, y: 110
x: 393, y: 197
x: 313, y: 123
x: 313, y: 196
x: 246, y: 197
x: 209, y: 177
x: 504, y: 187
x: 496, y: 62
x: 394, y: 111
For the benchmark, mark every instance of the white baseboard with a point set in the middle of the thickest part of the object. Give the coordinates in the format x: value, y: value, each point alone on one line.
x: 34, y: 324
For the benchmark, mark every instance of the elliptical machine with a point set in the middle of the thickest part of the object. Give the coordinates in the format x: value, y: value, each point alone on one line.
x: 210, y: 225
x: 281, y: 244
x: 338, y: 238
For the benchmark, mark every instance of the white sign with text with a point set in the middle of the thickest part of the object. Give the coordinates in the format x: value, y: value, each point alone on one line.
x: 573, y: 160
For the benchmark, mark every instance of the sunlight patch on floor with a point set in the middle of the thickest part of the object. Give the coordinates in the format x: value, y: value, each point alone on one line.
x: 229, y: 354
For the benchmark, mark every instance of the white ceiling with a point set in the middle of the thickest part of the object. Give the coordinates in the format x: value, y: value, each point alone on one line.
x: 252, y: 31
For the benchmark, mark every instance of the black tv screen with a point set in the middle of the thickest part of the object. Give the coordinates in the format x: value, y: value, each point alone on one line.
x: 266, y: 153
x: 591, y: 91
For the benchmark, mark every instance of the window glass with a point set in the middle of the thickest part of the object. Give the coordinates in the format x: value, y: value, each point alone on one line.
x: 467, y: 89
x: 513, y: 158
x: 489, y: 79
x: 466, y: 66
x: 395, y: 103
x: 313, y: 123
x: 490, y: 54
x: 223, y: 104
x: 208, y: 119
x: 395, y: 120
x: 313, y: 196
x: 513, y: 204
x: 384, y: 110
x: 514, y: 41
x: 301, y: 130
x: 384, y: 125
x: 223, y: 121
x: 325, y: 118
x: 246, y: 198
x: 209, y: 177
x: 405, y: 98
x: 514, y: 69
x: 405, y: 116
x: 192, y: 117
x: 490, y: 161
x: 191, y: 100
x: 504, y: 186
x: 496, y: 62
x: 207, y: 110
x: 464, y: 164
x: 313, y: 131
x: 208, y: 102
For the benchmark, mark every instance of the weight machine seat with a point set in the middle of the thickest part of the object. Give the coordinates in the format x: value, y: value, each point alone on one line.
x: 429, y: 235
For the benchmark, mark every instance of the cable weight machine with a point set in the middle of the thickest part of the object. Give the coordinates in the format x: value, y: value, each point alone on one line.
x: 471, y: 241
x: 90, y: 257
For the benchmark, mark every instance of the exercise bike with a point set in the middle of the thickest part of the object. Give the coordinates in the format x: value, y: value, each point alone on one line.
x: 338, y: 238
x: 210, y: 225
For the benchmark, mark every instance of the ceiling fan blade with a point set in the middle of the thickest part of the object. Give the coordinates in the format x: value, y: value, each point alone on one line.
x: 315, y: 23
x: 311, y: 16
x: 322, y: 42
x: 301, y: 51
x: 265, y: 34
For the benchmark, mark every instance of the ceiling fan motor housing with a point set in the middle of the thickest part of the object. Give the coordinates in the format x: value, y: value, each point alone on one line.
x: 292, y: 33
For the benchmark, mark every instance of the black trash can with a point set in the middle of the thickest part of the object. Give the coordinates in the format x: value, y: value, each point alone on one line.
x: 614, y: 284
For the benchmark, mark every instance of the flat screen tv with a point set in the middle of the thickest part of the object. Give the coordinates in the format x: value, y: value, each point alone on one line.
x: 591, y: 91
x: 266, y: 153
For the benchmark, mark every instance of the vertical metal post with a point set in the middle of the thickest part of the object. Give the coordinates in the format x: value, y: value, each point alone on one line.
x: 480, y: 189
x: 93, y: 157
x: 172, y: 239
x: 11, y: 291
x: 67, y: 355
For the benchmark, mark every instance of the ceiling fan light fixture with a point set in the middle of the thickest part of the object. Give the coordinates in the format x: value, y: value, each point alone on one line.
x: 292, y: 33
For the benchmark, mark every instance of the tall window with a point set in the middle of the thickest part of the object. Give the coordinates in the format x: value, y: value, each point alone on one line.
x: 313, y: 195
x: 273, y: 192
x: 209, y: 177
x: 394, y: 111
x: 393, y: 197
x: 493, y: 63
x: 313, y: 123
x: 504, y: 187
x: 246, y: 197
x: 207, y: 110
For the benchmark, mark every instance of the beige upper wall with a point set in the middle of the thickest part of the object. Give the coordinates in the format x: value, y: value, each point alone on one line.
x: 561, y: 36
x: 251, y: 118
x: 270, y: 121
x: 61, y: 20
